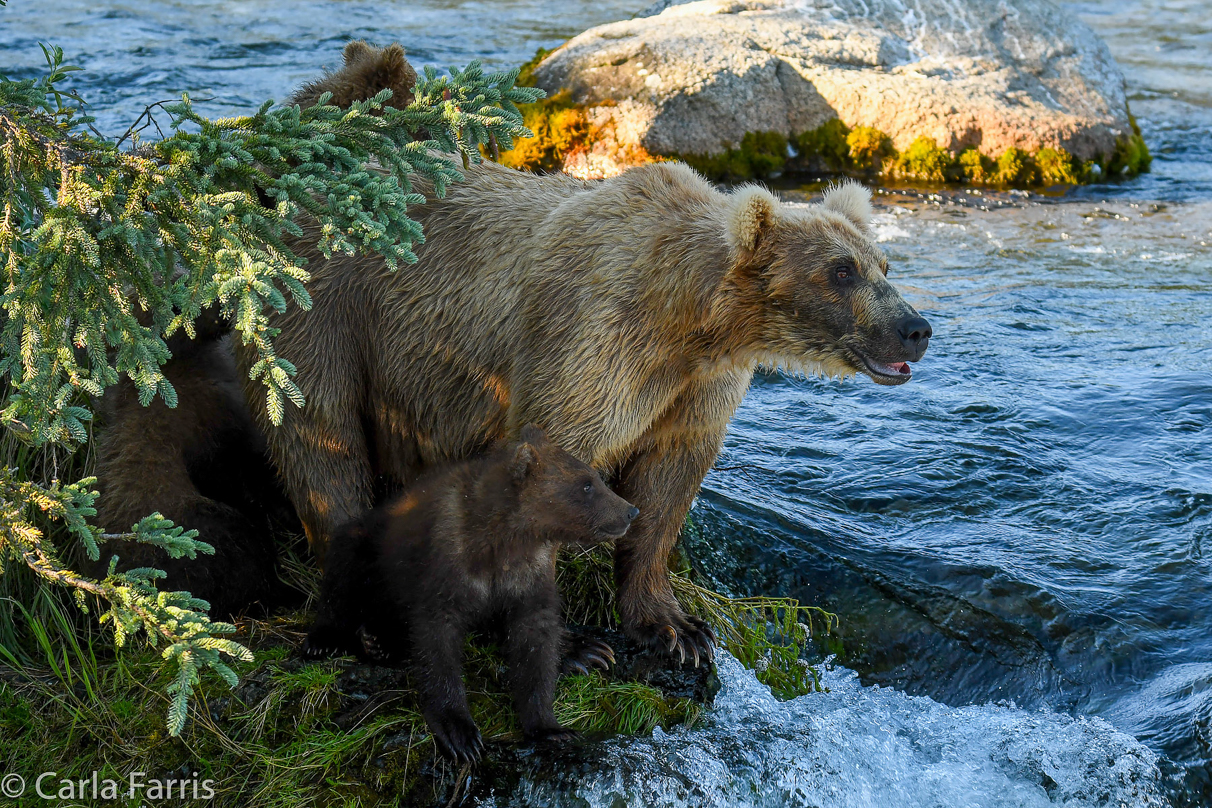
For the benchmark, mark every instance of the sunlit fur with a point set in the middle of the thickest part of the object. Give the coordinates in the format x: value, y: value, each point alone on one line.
x: 814, y: 325
x: 850, y: 199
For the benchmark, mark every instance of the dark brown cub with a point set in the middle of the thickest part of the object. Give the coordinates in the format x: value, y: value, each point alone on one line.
x: 469, y: 545
x: 202, y: 465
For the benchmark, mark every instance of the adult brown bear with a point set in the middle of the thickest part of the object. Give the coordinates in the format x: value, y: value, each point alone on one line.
x: 625, y: 317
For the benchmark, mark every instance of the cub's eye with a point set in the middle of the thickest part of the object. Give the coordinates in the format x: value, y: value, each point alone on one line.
x: 845, y: 272
x: 587, y: 488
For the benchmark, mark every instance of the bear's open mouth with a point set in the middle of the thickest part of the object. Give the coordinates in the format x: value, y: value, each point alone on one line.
x: 881, y: 373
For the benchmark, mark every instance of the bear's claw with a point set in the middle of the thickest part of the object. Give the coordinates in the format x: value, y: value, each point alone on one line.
x: 586, y: 655
x: 695, y: 639
x: 458, y: 738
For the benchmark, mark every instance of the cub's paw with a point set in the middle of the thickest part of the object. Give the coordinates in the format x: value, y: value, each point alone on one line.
x: 329, y: 641
x: 690, y: 640
x: 553, y: 735
x: 583, y: 654
x: 373, y: 649
x: 457, y: 737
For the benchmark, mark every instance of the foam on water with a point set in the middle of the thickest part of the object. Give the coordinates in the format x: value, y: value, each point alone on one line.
x: 860, y: 747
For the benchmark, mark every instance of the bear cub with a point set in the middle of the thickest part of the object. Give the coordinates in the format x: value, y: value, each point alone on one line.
x: 471, y: 545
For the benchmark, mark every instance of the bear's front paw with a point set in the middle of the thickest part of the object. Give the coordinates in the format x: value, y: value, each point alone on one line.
x: 327, y: 641
x: 457, y: 737
x: 687, y: 637
x: 374, y: 650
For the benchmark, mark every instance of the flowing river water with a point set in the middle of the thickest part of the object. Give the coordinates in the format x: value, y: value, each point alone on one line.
x: 1015, y: 542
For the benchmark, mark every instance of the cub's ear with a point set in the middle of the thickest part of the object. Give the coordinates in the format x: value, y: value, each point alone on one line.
x: 533, y: 434
x: 850, y: 199
x: 523, y: 463
x: 751, y: 212
x: 358, y: 50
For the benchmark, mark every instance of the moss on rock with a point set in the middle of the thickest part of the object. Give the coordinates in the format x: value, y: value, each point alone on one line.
x: 826, y: 146
x: 1131, y: 155
x: 559, y: 127
x: 924, y: 160
x: 975, y: 167
x: 760, y: 155
x: 1058, y: 167
x: 868, y: 148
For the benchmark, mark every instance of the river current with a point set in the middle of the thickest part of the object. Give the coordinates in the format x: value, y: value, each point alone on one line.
x: 1018, y: 543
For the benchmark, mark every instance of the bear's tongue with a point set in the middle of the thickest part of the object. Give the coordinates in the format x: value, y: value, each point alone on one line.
x: 901, y: 368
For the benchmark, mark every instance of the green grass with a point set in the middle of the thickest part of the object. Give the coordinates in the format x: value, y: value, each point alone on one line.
x: 292, y: 734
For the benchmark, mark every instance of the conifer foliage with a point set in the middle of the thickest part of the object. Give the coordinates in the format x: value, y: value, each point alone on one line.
x: 110, y: 246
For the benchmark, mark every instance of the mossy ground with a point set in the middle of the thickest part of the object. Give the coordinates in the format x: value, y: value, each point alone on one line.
x: 335, y: 732
x: 560, y: 127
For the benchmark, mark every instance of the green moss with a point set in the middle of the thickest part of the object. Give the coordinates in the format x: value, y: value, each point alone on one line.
x: 559, y: 127
x: 760, y: 155
x: 868, y: 148
x: 1131, y: 155
x: 526, y: 71
x: 975, y: 167
x: 1015, y: 168
x: 1058, y: 167
x: 825, y: 147
x: 924, y: 160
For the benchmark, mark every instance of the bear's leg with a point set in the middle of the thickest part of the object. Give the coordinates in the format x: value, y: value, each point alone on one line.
x: 437, y: 653
x: 534, y: 634
x: 332, y: 634
x: 239, y: 577
x: 325, y: 468
x: 351, y: 591
x: 662, y: 482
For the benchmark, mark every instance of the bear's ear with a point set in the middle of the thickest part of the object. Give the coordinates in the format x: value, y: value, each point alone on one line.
x: 534, y: 435
x: 750, y: 214
x: 357, y: 50
x: 523, y: 463
x: 852, y: 200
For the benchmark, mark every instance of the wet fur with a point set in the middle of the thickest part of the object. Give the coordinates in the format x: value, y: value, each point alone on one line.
x: 470, y: 544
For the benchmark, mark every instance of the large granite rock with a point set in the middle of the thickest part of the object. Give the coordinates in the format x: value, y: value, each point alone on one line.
x: 694, y: 78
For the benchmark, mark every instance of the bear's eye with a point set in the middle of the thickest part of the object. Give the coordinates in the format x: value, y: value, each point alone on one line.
x: 845, y: 272
x: 588, y: 487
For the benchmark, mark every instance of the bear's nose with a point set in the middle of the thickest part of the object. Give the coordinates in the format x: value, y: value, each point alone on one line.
x: 633, y: 513
x: 915, y: 335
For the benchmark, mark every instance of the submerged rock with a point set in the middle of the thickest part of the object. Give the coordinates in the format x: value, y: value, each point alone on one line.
x: 696, y: 78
